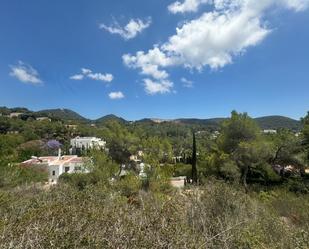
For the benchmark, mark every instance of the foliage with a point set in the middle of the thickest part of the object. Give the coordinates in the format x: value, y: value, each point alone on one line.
x: 30, y: 148
x: 305, y: 134
x: 286, y: 146
x: 218, y: 215
x: 278, y: 122
x: 157, y: 180
x: 102, y: 166
x: 13, y: 176
x: 182, y: 169
x: 239, y: 128
x: 102, y: 210
x: 78, y: 180
x: 62, y: 114
x: 194, y: 161
x: 128, y: 186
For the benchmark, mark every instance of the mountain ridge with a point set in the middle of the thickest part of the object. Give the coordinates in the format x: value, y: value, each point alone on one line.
x: 265, y: 122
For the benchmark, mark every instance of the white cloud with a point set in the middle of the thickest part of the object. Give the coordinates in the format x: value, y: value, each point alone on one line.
x: 25, y: 73
x: 116, y: 95
x: 86, y: 71
x: 103, y: 77
x: 186, y: 6
x: 77, y: 77
x: 94, y: 76
x: 149, y: 63
x: 155, y: 87
x: 130, y: 31
x: 261, y: 5
x: 212, y: 40
x: 297, y: 5
x: 186, y: 83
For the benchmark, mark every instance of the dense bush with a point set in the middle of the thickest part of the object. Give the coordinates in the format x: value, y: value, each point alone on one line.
x: 79, y: 180
x: 182, y: 169
x: 14, y: 175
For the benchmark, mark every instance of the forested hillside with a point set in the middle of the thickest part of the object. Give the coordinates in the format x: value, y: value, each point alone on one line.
x: 243, y: 188
x: 268, y: 122
x: 63, y: 114
x: 278, y: 122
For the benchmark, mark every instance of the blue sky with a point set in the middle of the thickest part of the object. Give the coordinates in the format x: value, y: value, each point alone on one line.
x: 249, y: 57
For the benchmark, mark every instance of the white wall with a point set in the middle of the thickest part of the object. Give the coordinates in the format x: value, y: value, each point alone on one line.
x: 87, y: 142
x: 60, y: 169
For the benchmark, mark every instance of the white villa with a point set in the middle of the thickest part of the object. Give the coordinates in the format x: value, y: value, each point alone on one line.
x: 15, y: 114
x: 57, y: 165
x: 270, y: 131
x: 88, y: 143
x: 43, y: 119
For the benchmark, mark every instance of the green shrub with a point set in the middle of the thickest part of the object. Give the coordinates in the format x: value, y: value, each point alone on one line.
x: 128, y: 186
x: 182, y: 169
x: 79, y: 180
x: 298, y: 186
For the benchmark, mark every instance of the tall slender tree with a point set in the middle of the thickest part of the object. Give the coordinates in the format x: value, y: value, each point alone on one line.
x: 194, y: 160
x: 305, y: 133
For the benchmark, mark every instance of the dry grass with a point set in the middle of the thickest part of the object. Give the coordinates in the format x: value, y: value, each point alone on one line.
x: 216, y: 216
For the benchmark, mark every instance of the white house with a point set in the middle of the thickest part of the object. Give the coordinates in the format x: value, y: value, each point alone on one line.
x: 57, y: 165
x: 87, y: 143
x: 215, y: 135
x: 178, y: 182
x: 43, y: 119
x: 270, y: 131
x: 142, y: 172
x: 15, y: 114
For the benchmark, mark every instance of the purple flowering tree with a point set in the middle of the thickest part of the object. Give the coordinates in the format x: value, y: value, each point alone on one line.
x: 53, y: 144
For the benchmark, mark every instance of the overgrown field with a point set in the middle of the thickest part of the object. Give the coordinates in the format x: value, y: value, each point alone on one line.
x: 217, y: 215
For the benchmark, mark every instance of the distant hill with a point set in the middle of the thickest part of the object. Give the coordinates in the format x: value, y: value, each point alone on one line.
x: 210, y: 122
x: 5, y: 110
x: 188, y: 121
x: 268, y: 122
x: 109, y: 118
x: 145, y: 121
x: 278, y: 122
x: 63, y: 114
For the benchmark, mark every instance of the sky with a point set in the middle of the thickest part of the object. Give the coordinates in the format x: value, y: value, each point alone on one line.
x: 156, y: 58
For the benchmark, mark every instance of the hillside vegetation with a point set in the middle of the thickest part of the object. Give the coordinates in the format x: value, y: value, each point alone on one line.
x: 269, y: 122
x: 63, y: 114
x: 244, y: 189
x: 278, y: 122
x: 216, y: 215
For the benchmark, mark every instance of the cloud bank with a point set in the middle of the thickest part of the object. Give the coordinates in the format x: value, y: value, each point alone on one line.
x: 212, y: 40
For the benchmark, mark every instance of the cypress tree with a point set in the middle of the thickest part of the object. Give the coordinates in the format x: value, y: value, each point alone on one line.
x: 194, y: 160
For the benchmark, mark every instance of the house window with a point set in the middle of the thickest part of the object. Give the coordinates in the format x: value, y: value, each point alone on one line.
x: 66, y: 169
x: 54, y: 173
x: 78, y: 168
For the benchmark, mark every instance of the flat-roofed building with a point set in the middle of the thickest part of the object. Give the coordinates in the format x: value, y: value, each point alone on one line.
x: 270, y: 131
x: 87, y: 143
